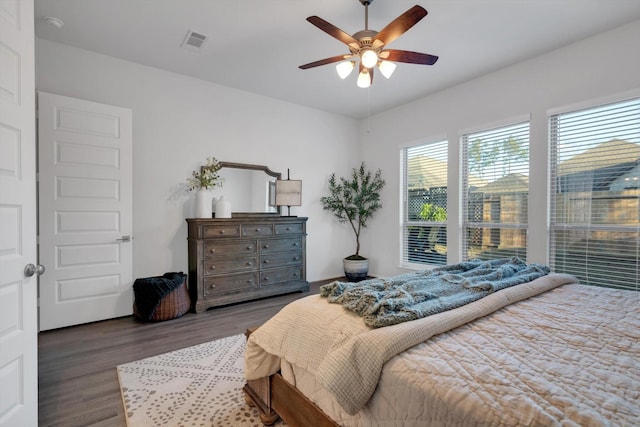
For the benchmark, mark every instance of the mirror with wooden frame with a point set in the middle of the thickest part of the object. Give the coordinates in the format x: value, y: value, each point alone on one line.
x: 249, y: 188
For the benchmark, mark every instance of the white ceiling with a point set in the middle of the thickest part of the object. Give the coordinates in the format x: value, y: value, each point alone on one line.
x: 257, y: 45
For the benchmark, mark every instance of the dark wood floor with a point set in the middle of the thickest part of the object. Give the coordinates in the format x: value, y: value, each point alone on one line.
x: 78, y: 384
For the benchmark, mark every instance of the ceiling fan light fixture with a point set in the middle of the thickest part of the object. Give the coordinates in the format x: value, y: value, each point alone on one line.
x: 368, y: 47
x: 369, y: 58
x: 345, y: 68
x: 386, y: 68
x: 364, y: 79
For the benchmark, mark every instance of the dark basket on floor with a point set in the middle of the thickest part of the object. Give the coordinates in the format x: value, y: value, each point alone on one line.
x: 173, y: 304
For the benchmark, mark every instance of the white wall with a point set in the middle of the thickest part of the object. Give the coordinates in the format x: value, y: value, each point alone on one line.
x: 600, y: 68
x: 179, y: 121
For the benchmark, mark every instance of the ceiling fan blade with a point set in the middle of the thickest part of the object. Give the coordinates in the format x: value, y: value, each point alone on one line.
x: 325, y: 61
x: 408, y: 57
x: 333, y: 31
x: 401, y: 24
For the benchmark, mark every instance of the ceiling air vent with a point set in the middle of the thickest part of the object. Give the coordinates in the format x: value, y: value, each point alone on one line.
x: 194, y: 41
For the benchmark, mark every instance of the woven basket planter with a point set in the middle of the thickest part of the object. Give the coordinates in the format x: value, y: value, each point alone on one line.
x: 174, y: 304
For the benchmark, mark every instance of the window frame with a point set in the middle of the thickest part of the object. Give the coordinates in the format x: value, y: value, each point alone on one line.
x: 404, y: 255
x: 555, y: 226
x: 465, y: 224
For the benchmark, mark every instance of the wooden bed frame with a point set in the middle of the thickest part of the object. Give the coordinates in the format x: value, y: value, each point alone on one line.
x: 276, y: 398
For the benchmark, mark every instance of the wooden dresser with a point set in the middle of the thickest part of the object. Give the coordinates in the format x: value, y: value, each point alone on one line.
x: 244, y: 258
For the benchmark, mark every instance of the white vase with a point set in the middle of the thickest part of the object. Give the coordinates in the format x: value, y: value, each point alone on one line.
x: 214, y: 202
x: 223, y: 208
x: 203, y: 203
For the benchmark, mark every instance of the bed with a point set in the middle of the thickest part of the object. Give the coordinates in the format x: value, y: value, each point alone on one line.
x: 545, y: 352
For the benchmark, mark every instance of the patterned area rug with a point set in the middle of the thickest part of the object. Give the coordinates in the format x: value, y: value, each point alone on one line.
x: 194, y: 386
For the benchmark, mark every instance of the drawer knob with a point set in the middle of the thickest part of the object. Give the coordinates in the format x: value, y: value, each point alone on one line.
x: 213, y: 267
x: 295, y: 274
x: 212, y: 286
x: 266, y: 261
x: 221, y: 231
x: 249, y: 263
x: 266, y: 246
x: 288, y: 228
x: 249, y: 281
x: 295, y: 244
x: 257, y: 230
x: 295, y: 258
x: 266, y: 279
x: 213, y: 251
x: 249, y: 248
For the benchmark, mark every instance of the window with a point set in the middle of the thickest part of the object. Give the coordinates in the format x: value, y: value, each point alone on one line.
x: 495, y: 178
x: 595, y: 193
x: 425, y: 204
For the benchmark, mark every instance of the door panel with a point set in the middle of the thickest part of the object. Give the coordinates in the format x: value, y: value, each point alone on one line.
x: 85, y: 211
x: 18, y: 293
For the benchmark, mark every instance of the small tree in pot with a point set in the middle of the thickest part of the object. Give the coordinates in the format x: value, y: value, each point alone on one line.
x: 355, y: 200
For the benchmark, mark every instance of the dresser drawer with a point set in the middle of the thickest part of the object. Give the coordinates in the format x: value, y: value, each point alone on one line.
x: 289, y: 228
x: 222, y: 266
x: 280, y: 245
x: 280, y: 275
x: 228, y: 284
x: 228, y: 248
x: 229, y: 230
x: 280, y: 259
x: 256, y: 230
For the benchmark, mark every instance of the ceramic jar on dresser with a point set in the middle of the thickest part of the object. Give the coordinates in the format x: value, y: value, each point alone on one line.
x: 244, y: 258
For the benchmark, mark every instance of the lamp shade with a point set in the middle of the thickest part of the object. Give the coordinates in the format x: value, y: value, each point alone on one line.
x: 364, y: 79
x: 289, y: 192
x: 345, y: 68
x: 387, y: 68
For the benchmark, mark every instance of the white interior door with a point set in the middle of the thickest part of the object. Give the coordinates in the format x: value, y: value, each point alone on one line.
x: 84, y: 210
x: 18, y: 293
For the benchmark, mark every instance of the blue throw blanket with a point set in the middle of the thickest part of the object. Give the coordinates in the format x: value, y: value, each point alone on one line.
x: 384, y: 302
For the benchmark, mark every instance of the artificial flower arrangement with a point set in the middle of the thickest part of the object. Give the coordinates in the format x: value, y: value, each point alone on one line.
x: 206, y: 177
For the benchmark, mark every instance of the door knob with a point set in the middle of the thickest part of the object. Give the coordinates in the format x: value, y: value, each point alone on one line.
x: 30, y: 270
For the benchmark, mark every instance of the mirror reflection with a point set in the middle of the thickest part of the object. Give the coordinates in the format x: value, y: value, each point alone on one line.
x: 249, y: 188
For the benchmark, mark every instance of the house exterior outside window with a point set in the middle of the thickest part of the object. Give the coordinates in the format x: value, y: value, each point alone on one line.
x: 424, y: 217
x: 495, y: 182
x: 595, y: 194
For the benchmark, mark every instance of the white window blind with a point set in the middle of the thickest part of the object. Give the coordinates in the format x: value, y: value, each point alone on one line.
x: 425, y: 204
x: 496, y: 192
x: 595, y: 194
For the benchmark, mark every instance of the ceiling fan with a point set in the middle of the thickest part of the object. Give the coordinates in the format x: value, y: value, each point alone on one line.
x: 367, y: 47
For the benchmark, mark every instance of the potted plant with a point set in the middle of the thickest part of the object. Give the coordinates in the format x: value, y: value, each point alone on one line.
x: 202, y: 181
x: 355, y: 200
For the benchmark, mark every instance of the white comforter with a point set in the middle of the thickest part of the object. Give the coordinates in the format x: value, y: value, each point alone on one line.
x: 536, y: 362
